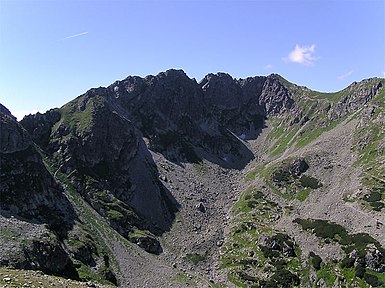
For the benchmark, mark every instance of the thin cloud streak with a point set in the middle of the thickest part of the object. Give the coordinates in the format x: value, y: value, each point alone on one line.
x: 73, y: 36
x: 346, y: 75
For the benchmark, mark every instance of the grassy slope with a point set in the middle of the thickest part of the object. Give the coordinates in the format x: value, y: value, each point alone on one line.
x: 251, y: 220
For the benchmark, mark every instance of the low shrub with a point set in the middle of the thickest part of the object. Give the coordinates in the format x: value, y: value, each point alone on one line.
x: 347, y: 262
x: 246, y: 277
x: 374, y: 196
x: 268, y: 252
x: 377, y: 206
x: 316, y: 262
x: 372, y: 280
x: 281, y: 175
x: 195, y: 258
x: 322, y: 228
x: 309, y: 182
x: 360, y: 271
x: 252, y: 204
x: 284, y: 278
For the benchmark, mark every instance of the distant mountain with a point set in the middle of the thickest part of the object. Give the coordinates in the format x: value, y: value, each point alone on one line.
x: 165, y: 182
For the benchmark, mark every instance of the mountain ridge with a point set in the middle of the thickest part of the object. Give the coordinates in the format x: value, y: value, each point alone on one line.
x: 126, y: 150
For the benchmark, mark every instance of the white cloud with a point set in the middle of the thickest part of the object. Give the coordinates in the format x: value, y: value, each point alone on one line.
x: 269, y: 66
x: 21, y: 113
x: 73, y: 36
x: 346, y: 75
x: 302, y: 55
x: 383, y: 73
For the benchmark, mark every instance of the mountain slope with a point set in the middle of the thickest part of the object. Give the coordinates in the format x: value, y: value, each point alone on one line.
x: 221, y: 181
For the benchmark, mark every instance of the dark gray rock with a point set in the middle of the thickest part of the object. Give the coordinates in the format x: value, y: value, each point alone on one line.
x: 275, y: 97
x: 13, y: 138
x: 201, y: 207
x: 234, y: 103
x: 298, y: 166
x: 357, y: 95
x: 39, y: 126
x: 148, y: 243
x: 27, y: 188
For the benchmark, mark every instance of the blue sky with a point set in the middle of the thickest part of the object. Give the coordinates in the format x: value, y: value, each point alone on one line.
x: 53, y: 51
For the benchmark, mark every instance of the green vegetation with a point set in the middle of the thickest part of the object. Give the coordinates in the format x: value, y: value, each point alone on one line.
x: 89, y: 222
x: 195, y: 258
x: 360, y: 242
x: 200, y: 167
x: 370, y: 145
x: 315, y: 261
x: 116, y: 211
x: 88, y: 274
x: 303, y: 194
x: 78, y: 114
x: 328, y: 274
x: 282, y: 143
x: 253, y: 172
x: 8, y: 233
x: 331, y: 96
x: 374, y: 196
x: 284, y: 179
x: 183, y: 278
x: 253, y: 262
x: 322, y: 228
x: 314, y: 130
x: 283, y: 278
x: 374, y: 278
x: 309, y: 182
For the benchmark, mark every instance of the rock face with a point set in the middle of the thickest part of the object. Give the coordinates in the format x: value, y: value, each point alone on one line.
x: 28, y: 190
x: 13, y: 137
x: 275, y: 97
x: 184, y: 120
x: 355, y: 97
x: 234, y: 103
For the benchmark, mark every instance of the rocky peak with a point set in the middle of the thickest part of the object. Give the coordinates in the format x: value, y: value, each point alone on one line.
x: 275, y: 97
x: 222, y: 91
x: 356, y: 96
x: 234, y: 103
x: 39, y: 125
x: 13, y: 136
x: 173, y: 74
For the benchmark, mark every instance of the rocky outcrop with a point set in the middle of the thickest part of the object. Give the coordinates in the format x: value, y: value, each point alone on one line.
x: 183, y: 121
x: 39, y: 126
x: 13, y: 137
x: 298, y: 166
x: 356, y: 96
x: 234, y: 103
x: 29, y: 191
x: 33, y: 246
x: 275, y: 97
x: 109, y: 164
x: 27, y: 188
